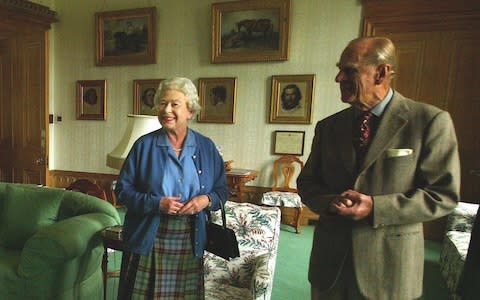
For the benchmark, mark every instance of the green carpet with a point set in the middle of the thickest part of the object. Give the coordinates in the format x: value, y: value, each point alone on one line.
x: 290, y: 280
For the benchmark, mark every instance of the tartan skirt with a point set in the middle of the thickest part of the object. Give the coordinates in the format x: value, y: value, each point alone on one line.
x: 170, y: 271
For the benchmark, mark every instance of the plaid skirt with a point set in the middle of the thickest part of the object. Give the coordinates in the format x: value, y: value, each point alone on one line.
x: 170, y: 271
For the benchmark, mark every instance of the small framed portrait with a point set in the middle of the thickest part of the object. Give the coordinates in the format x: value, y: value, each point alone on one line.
x: 91, y: 99
x: 217, y: 98
x: 250, y: 31
x: 125, y: 37
x: 288, y: 142
x: 143, y: 95
x: 292, y: 99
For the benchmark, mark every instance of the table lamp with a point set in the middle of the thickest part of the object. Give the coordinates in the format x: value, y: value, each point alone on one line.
x: 137, y: 126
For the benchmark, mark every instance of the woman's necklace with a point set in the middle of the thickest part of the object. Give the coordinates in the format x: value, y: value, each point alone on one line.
x: 176, y: 141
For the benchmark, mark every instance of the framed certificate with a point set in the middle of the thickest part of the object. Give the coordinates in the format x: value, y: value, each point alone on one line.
x: 288, y: 142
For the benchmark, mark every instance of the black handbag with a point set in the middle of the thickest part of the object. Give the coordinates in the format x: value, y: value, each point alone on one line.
x: 221, y: 240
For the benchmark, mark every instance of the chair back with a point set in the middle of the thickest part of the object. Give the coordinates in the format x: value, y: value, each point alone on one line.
x: 87, y: 187
x: 284, y: 168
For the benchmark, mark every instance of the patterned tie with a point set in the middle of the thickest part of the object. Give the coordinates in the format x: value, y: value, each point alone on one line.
x: 363, y: 133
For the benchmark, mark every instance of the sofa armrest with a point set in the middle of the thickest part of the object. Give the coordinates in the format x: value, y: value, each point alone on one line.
x: 262, y: 277
x: 62, y: 241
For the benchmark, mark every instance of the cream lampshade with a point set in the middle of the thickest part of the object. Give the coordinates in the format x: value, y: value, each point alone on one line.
x: 137, y: 126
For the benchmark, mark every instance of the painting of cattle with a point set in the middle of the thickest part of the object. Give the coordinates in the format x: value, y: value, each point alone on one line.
x: 251, y: 34
x: 125, y: 36
x: 250, y: 31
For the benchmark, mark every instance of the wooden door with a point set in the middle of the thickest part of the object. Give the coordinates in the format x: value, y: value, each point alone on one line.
x: 437, y: 50
x: 6, y: 140
x: 30, y: 121
x: 23, y: 135
x: 23, y: 91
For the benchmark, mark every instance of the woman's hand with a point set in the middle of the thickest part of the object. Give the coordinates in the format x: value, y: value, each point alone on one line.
x: 194, y: 205
x: 170, y: 205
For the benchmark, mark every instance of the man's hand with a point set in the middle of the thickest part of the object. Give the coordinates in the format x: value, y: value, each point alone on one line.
x: 352, y: 204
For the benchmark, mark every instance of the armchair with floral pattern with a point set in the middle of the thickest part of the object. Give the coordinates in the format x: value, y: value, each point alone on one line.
x: 249, y: 276
x: 455, y: 244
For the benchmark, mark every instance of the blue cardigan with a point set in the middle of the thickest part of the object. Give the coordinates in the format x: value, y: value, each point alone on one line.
x: 138, y: 189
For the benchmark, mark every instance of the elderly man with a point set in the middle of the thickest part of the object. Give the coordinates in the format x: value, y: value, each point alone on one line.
x: 377, y: 170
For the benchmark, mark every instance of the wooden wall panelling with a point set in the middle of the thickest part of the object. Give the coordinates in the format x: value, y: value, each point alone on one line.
x: 62, y: 179
x: 253, y: 194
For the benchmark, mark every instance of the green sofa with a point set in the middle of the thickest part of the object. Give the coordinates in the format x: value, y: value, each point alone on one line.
x: 50, y: 243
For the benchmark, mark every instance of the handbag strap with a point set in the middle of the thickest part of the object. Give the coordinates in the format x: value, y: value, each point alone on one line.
x: 224, y: 217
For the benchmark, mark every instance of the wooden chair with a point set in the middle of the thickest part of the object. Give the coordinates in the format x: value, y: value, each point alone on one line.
x: 282, y: 194
x: 87, y: 187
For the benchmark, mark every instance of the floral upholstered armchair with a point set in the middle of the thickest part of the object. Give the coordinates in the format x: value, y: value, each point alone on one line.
x: 455, y: 244
x: 249, y: 276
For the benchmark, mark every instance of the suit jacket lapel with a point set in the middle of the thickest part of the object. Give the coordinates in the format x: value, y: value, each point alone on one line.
x: 394, y: 117
x: 343, y: 141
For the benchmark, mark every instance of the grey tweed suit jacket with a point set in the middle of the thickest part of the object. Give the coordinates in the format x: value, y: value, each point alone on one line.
x: 412, y: 171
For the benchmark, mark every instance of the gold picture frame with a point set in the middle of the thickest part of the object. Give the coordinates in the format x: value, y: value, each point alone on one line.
x: 143, y: 95
x: 125, y: 37
x: 292, y: 99
x: 250, y: 31
x: 217, y: 98
x: 289, y: 142
x: 91, y: 100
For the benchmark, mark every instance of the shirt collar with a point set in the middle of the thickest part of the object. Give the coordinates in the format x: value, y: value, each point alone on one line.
x: 189, y: 139
x: 380, y: 107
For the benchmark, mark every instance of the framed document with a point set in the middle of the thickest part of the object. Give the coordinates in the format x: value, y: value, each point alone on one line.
x: 289, y: 142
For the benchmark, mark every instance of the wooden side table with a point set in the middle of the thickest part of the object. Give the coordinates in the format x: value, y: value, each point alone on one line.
x: 236, y: 180
x: 111, y: 240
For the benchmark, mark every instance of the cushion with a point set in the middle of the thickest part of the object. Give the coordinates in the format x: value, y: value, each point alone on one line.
x: 26, y: 209
x: 286, y: 199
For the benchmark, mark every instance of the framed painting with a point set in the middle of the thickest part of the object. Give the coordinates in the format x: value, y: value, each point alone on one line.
x: 143, y: 95
x: 250, y: 31
x: 91, y: 99
x: 217, y: 98
x: 292, y: 99
x: 125, y: 37
x: 289, y: 142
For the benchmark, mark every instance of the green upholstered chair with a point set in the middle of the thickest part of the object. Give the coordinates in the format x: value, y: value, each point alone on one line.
x: 50, y: 243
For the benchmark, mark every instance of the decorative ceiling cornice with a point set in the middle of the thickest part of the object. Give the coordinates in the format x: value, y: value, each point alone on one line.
x: 28, y: 7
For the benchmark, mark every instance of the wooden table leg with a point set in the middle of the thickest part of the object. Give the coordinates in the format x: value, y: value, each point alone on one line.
x: 104, y: 272
x: 298, y: 215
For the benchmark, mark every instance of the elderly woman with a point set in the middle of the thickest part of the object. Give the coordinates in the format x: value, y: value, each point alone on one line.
x: 170, y: 178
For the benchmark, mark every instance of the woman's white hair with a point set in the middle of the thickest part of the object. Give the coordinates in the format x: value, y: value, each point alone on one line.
x: 183, y: 85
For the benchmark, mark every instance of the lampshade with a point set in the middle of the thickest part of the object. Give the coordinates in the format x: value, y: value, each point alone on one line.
x: 137, y: 126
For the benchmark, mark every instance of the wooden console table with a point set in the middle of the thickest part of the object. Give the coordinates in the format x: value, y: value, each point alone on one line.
x: 114, y: 242
x: 236, y: 180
